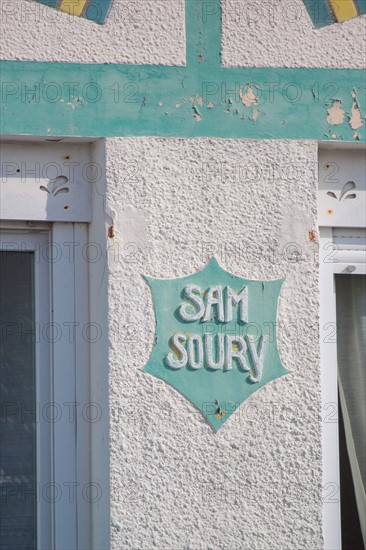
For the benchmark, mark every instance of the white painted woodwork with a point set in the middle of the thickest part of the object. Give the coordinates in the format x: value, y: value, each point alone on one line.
x: 342, y: 188
x: 47, y: 181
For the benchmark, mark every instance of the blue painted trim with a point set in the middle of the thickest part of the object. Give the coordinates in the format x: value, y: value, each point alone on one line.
x: 97, y: 10
x: 49, y: 3
x: 320, y: 12
x: 361, y: 5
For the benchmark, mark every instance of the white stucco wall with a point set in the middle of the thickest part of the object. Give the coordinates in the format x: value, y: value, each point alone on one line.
x: 276, y: 33
x: 137, y: 31
x: 279, y: 33
x: 175, y: 483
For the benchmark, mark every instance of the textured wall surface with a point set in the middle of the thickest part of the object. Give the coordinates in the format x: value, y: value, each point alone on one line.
x: 276, y: 33
x: 175, y: 484
x: 142, y: 31
x: 279, y: 33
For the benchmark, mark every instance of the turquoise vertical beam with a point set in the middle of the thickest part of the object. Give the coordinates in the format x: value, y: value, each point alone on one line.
x: 203, y: 33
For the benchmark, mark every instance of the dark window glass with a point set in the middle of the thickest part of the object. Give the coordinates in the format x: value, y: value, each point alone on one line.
x: 18, y: 509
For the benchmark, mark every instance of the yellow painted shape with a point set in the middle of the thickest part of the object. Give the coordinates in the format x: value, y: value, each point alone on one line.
x: 74, y: 7
x: 344, y: 9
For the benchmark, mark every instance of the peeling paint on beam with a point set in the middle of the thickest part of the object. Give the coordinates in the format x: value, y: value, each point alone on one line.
x: 107, y: 101
x: 201, y: 99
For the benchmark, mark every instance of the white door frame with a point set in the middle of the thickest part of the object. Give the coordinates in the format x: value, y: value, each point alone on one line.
x: 75, y: 222
x: 328, y: 366
x: 70, y: 387
x: 65, y: 490
x: 331, y: 262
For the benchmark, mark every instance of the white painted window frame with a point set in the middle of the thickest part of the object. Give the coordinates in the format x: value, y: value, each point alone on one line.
x: 61, y: 294
x: 84, y: 525
x: 330, y: 265
x: 17, y: 239
x: 70, y: 384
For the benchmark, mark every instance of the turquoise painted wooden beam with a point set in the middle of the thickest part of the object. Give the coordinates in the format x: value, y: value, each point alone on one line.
x: 201, y: 99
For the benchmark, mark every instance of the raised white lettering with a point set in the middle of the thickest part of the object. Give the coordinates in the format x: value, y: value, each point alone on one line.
x: 177, y: 343
x: 214, y: 297
x: 257, y: 357
x: 240, y: 299
x: 193, y: 294
x: 195, y: 352
x: 220, y: 353
x: 240, y: 346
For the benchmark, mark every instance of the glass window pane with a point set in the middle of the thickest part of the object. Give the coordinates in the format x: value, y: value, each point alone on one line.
x: 351, y: 351
x: 18, y: 512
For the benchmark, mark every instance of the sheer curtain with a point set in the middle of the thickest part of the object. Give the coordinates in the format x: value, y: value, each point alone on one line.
x: 351, y: 350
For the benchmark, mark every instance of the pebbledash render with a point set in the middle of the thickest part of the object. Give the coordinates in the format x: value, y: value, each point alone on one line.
x: 203, y: 123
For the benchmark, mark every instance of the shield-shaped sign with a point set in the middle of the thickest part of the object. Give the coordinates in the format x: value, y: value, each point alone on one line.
x: 215, y: 338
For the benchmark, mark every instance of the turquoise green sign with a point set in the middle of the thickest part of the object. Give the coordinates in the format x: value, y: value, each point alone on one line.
x: 215, y: 338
